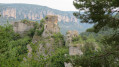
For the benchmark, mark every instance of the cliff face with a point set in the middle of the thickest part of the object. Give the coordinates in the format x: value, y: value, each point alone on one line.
x: 34, y: 13
x: 9, y: 12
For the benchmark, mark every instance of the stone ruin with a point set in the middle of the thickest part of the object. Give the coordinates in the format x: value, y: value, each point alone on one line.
x: 50, y: 25
x: 69, y: 36
x: 22, y: 28
x: 73, y: 50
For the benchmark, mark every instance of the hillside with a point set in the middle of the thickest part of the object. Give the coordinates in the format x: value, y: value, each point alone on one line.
x: 15, y: 12
x: 30, y: 44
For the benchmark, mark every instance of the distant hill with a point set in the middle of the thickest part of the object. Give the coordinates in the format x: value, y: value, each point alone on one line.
x: 16, y: 12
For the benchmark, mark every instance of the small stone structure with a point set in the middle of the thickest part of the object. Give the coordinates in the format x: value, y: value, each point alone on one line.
x: 73, y: 50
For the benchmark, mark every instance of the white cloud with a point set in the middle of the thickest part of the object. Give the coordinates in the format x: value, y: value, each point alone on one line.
x: 65, y: 5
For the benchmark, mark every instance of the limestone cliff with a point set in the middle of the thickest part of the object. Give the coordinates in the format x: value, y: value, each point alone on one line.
x: 9, y: 12
x: 34, y: 12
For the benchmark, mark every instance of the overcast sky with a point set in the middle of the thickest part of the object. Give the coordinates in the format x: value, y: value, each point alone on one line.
x: 64, y: 5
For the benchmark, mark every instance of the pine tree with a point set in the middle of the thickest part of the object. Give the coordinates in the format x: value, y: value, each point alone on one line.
x: 99, y: 13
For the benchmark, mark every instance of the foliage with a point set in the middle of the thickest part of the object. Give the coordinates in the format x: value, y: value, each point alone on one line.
x: 77, y: 40
x: 25, y: 21
x: 55, y: 60
x: 6, y: 35
x: 12, y: 47
x: 58, y: 58
x: 99, y: 12
x: 39, y: 32
x: 32, y: 31
x: 58, y: 37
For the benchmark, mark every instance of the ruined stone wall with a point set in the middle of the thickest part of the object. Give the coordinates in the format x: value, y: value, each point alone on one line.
x: 69, y: 36
x: 22, y: 28
x: 73, y: 50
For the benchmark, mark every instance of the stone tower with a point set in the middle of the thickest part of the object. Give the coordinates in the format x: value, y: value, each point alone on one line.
x: 51, y: 19
x: 50, y: 25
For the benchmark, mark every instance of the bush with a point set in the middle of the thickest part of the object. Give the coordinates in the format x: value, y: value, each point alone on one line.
x: 39, y: 32
x: 58, y: 38
x: 58, y: 58
x: 77, y: 40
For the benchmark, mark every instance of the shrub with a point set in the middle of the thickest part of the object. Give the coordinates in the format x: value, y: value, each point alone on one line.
x: 58, y: 37
x: 58, y: 58
x: 39, y: 32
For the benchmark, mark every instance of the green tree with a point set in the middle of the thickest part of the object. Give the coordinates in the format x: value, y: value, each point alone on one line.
x: 99, y: 13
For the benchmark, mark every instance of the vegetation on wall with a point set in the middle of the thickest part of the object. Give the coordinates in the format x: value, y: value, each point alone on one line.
x: 40, y: 29
x: 13, y: 49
